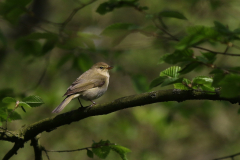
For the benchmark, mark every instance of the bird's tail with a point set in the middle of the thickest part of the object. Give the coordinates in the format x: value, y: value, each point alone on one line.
x: 63, y: 104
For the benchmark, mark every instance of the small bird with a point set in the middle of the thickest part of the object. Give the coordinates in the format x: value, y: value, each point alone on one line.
x: 91, y: 85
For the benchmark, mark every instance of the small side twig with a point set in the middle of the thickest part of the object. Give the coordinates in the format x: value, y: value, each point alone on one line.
x: 16, y: 106
x: 70, y: 17
x: 80, y: 149
x: 230, y: 156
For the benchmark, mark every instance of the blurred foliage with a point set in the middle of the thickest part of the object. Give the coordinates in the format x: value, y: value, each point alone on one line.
x: 143, y: 40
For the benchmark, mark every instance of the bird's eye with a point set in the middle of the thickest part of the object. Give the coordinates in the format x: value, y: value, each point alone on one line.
x: 101, y: 67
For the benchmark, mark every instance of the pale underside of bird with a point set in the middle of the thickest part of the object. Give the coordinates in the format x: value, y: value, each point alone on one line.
x: 91, y: 85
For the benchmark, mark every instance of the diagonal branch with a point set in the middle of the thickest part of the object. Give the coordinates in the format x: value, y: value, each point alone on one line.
x: 50, y: 124
x: 14, y: 150
x: 37, y: 147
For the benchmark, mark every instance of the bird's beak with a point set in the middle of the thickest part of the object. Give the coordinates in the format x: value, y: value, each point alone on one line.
x: 110, y: 67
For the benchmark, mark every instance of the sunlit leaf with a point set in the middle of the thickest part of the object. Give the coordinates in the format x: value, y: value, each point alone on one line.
x: 184, y: 85
x: 121, y: 151
x: 24, y: 104
x: 202, y: 80
x: 33, y: 101
x: 171, y: 72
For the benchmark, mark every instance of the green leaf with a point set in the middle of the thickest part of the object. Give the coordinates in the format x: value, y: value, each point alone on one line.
x: 89, y: 153
x: 171, y: 81
x: 48, y: 46
x: 217, y: 71
x: 28, y: 47
x: 172, y: 14
x: 23, y: 104
x: 207, y: 88
x: 121, y: 151
x: 9, y: 100
x: 217, y: 78
x: 3, y: 114
x: 221, y: 28
x: 189, y: 67
x: 189, y: 41
x: 202, y: 80
x: 140, y: 83
x: 156, y: 82
x: 100, y: 149
x: 33, y: 101
x: 177, y: 56
x: 183, y: 85
x: 111, y: 5
x: 211, y: 57
x: 13, y: 115
x: 230, y: 86
x: 171, y: 72
x: 11, y: 10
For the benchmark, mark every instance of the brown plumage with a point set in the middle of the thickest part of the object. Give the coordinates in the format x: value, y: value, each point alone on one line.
x: 89, y: 86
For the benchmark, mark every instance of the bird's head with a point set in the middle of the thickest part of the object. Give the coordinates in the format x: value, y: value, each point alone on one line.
x: 102, y: 67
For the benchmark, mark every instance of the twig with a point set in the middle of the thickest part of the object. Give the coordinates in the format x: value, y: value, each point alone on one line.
x: 72, y: 15
x: 46, y: 153
x: 16, y: 106
x: 201, y: 48
x: 226, y: 50
x: 80, y: 149
x: 230, y: 156
x: 42, y: 75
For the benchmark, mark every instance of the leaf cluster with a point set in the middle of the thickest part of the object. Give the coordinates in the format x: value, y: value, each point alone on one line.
x: 102, y: 149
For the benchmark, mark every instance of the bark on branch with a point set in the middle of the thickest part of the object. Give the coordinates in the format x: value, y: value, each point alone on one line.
x: 49, y: 124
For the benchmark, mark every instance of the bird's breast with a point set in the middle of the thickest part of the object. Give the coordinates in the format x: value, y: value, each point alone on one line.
x: 96, y: 92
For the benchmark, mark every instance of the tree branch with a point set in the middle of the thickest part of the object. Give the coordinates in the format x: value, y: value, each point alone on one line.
x: 12, y: 136
x: 37, y: 147
x: 50, y: 124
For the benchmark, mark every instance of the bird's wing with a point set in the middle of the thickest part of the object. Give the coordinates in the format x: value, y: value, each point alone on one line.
x: 79, y: 86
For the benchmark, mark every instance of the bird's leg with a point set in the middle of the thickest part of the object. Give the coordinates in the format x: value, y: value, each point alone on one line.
x: 94, y: 103
x: 80, y: 102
